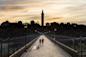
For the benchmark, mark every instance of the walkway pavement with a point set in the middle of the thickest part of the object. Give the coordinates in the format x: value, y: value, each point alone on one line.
x: 47, y: 49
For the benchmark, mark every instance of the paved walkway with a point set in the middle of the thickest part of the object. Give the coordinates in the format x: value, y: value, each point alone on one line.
x: 47, y: 49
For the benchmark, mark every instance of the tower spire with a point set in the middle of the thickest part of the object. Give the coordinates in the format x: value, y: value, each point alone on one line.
x: 42, y: 18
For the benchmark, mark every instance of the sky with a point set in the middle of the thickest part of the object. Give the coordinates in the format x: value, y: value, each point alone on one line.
x: 72, y: 11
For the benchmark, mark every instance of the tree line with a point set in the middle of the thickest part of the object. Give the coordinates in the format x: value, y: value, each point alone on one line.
x: 8, y: 29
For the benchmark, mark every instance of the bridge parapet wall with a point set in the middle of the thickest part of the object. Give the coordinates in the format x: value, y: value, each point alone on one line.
x: 72, y: 52
x: 20, y: 51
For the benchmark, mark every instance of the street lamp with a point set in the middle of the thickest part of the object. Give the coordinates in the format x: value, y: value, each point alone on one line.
x: 8, y: 45
x: 25, y: 37
x: 54, y: 32
x: 1, y: 48
x: 35, y: 30
x: 80, y: 47
x: 73, y: 41
x: 49, y: 33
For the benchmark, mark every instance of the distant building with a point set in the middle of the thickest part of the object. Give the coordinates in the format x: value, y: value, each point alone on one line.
x: 47, y: 24
x: 32, y: 22
x: 42, y: 18
x: 5, y: 24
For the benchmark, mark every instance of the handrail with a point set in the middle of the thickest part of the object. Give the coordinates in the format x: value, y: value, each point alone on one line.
x: 66, y: 46
x: 19, y: 52
x: 68, y: 49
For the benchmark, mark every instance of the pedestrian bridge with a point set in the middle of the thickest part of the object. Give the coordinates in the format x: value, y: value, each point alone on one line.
x: 47, y: 49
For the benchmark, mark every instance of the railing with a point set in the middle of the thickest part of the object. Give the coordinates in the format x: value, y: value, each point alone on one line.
x: 19, y: 52
x: 77, y: 43
x: 71, y: 51
x: 11, y: 45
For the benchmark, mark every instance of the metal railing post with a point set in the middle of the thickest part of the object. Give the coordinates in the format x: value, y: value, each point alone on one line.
x: 25, y: 37
x: 73, y: 41
x: 8, y: 46
x: 1, y: 48
x: 80, y: 48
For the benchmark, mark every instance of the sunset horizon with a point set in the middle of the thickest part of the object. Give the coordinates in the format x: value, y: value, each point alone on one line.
x: 55, y: 11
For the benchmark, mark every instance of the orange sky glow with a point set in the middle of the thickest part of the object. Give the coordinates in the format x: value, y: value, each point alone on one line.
x: 72, y: 11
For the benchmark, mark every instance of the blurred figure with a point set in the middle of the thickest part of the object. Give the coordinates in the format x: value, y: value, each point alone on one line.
x: 42, y: 40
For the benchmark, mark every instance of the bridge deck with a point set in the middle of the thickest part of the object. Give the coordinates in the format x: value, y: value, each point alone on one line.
x: 48, y: 49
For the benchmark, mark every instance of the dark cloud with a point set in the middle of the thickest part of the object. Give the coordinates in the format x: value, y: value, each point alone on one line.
x: 11, y: 7
x: 55, y: 18
x: 35, y: 17
x: 16, y: 1
x: 82, y: 21
x: 12, y: 4
x: 81, y: 7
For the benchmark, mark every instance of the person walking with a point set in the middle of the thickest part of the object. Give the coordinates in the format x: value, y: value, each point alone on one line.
x: 42, y: 41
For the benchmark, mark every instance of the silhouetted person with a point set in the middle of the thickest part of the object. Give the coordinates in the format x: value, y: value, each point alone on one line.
x: 42, y: 41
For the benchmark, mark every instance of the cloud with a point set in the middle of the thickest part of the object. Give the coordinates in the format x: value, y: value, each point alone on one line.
x: 82, y: 22
x: 54, y: 18
x: 55, y: 9
x: 4, y: 8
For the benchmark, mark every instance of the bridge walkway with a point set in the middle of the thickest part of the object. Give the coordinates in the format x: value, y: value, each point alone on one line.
x: 47, y: 49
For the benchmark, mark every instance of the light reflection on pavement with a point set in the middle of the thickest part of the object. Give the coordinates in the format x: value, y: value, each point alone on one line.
x: 47, y: 49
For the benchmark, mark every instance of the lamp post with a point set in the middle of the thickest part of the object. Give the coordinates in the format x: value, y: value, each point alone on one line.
x: 8, y: 46
x: 35, y: 30
x: 73, y: 41
x: 25, y: 37
x: 49, y: 32
x: 54, y: 32
x: 1, y: 48
x: 80, y: 47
